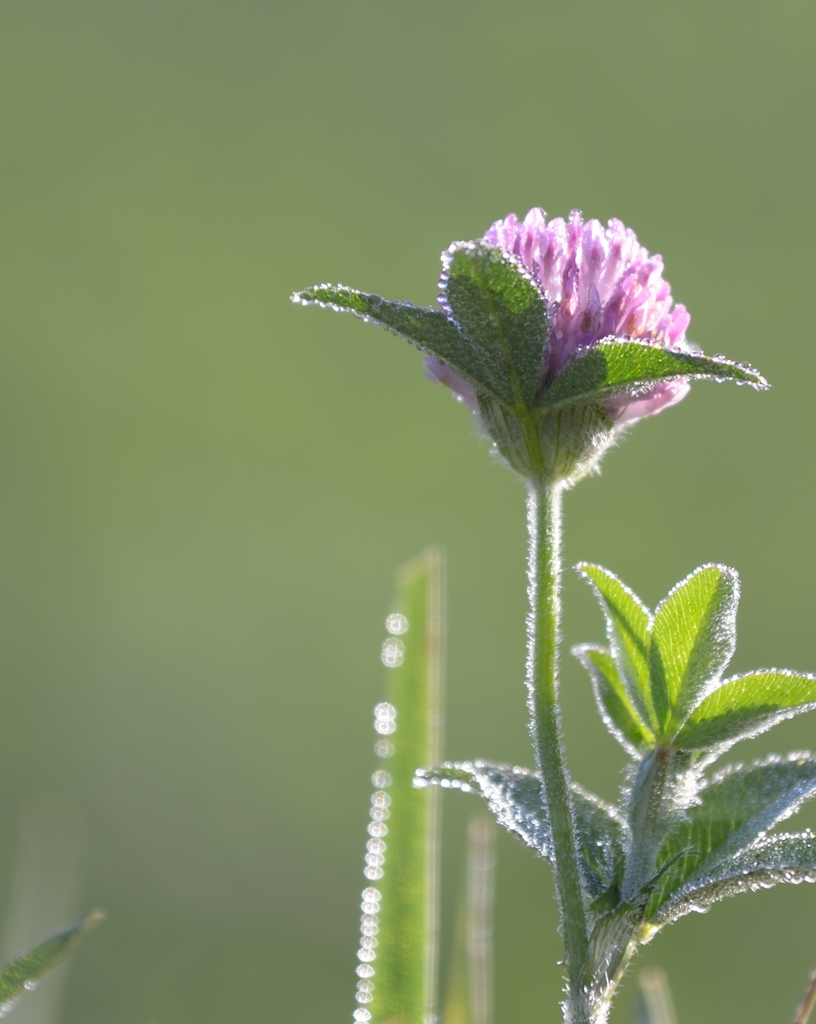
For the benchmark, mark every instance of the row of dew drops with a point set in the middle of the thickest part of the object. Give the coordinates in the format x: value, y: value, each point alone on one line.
x: 385, y: 724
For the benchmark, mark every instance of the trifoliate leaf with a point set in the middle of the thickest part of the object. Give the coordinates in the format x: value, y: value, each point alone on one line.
x: 746, y: 706
x: 428, y: 329
x: 770, y: 861
x: 627, y: 627
x: 504, y: 316
x: 618, y: 366
x: 693, y: 638
x: 514, y: 797
x: 737, y: 806
x: 24, y: 972
x: 612, y: 698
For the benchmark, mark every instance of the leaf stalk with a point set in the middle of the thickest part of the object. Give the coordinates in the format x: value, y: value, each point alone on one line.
x: 646, y: 818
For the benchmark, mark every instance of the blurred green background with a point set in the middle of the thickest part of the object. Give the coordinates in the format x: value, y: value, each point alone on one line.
x: 206, y: 490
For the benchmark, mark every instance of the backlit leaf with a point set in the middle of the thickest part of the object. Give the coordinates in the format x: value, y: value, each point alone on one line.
x: 734, y: 808
x: 613, y: 700
x: 501, y: 311
x: 428, y: 329
x: 770, y: 861
x: 515, y: 799
x: 513, y: 796
x: 746, y: 706
x: 693, y: 638
x: 618, y: 366
x: 627, y: 626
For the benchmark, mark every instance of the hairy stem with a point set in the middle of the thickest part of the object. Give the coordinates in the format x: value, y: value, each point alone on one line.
x: 544, y: 526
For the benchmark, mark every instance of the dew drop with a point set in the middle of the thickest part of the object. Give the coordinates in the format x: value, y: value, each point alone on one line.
x: 385, y: 718
x: 393, y: 653
x: 396, y: 624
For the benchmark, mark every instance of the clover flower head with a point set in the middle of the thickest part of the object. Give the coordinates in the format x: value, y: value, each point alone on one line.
x: 555, y: 334
x: 598, y: 283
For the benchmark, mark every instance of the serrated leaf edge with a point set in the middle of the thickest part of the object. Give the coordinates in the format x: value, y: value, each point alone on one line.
x: 759, y: 383
x: 774, y: 718
x: 746, y: 878
x: 713, y: 684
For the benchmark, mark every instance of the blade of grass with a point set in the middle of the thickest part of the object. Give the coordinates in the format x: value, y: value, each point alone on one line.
x: 480, y: 887
x: 403, y: 983
x: 655, y: 1004
x: 23, y: 973
x: 45, y: 892
x: 804, y: 1009
x: 470, y: 991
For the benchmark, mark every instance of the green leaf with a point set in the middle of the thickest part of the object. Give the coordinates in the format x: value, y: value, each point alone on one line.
x: 693, y: 638
x: 737, y: 806
x: 504, y: 316
x: 601, y: 835
x: 515, y: 799
x: 25, y: 971
x: 627, y: 626
x: 746, y: 706
x: 770, y: 861
x: 617, y: 366
x: 612, y: 698
x: 404, y: 979
x: 427, y: 329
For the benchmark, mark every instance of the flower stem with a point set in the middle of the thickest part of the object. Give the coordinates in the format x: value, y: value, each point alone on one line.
x: 543, y: 573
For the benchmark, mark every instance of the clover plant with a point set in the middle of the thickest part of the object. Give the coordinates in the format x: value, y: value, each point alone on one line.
x: 558, y: 336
